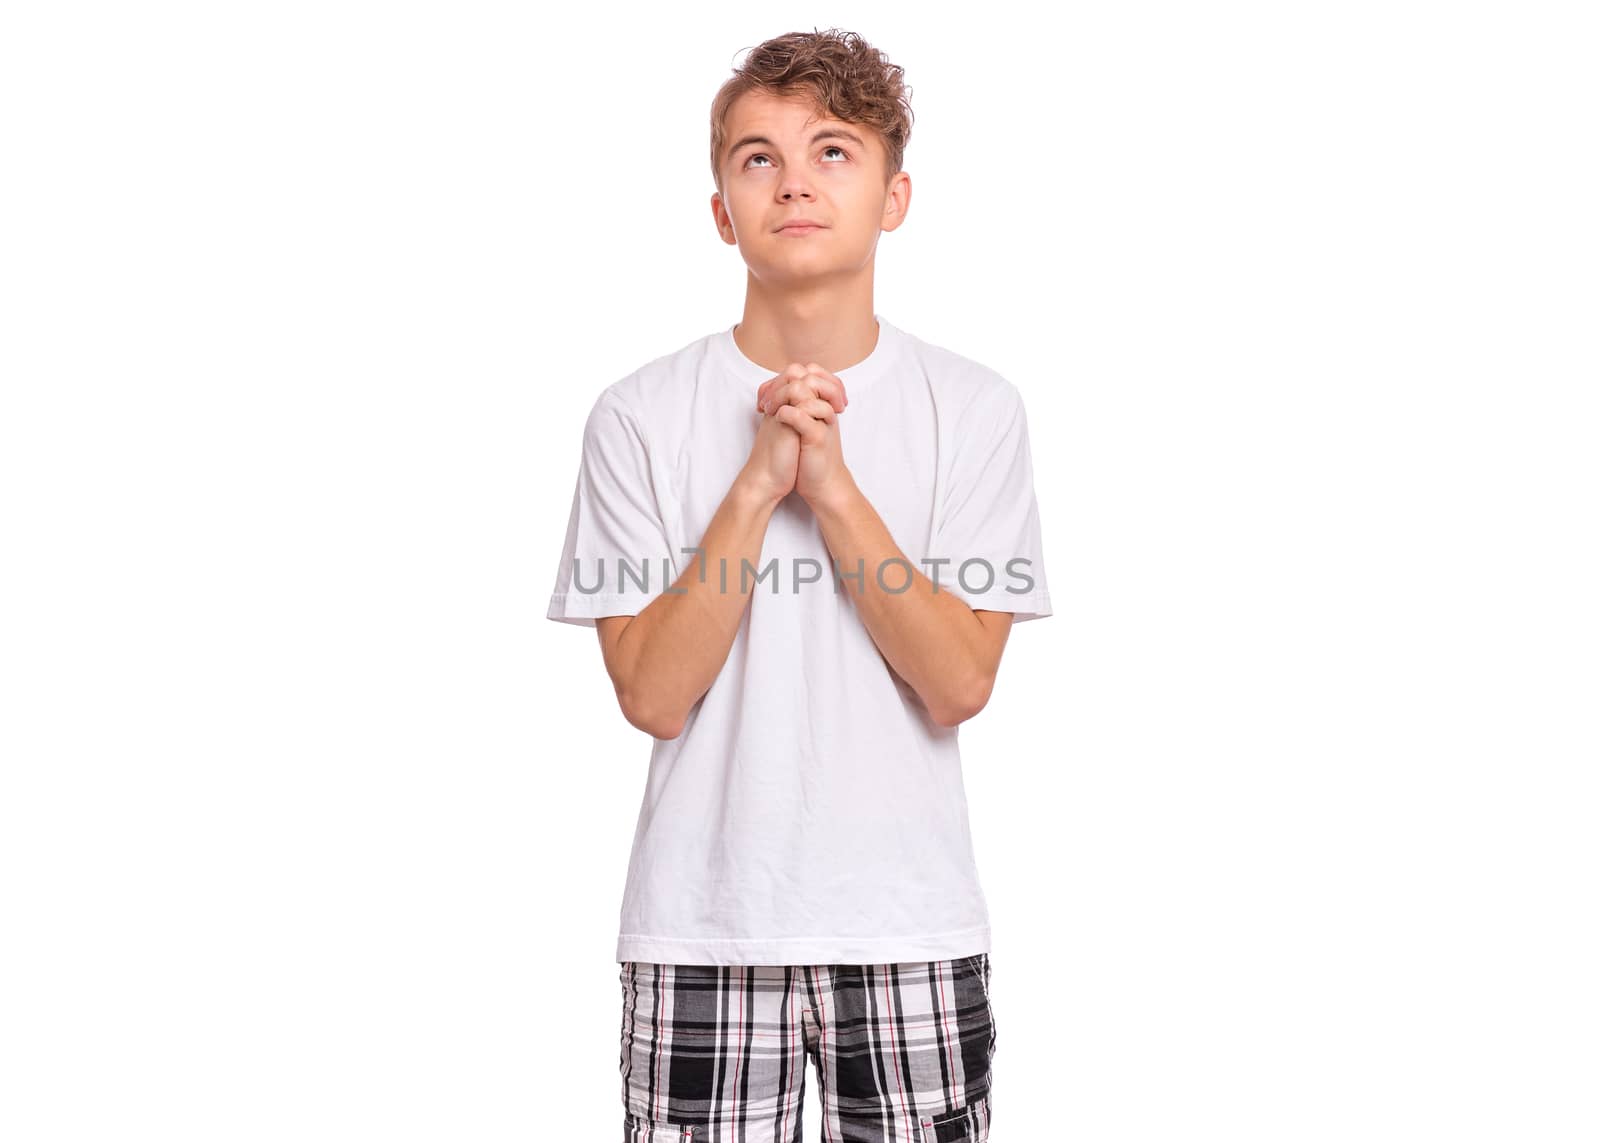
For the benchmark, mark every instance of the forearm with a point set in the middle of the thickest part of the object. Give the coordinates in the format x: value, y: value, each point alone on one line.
x: 930, y: 638
x: 672, y: 651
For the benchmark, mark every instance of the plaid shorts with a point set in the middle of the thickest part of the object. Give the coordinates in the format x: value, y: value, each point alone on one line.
x: 717, y: 1053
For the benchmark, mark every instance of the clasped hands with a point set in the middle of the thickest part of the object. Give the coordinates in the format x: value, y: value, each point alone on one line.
x: 800, y: 433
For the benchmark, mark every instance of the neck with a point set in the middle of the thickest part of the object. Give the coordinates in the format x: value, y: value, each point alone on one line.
x: 835, y: 331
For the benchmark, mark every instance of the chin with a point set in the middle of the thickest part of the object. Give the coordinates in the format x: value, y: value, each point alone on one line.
x: 796, y: 271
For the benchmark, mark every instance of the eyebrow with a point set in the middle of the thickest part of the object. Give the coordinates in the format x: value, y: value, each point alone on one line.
x: 825, y: 133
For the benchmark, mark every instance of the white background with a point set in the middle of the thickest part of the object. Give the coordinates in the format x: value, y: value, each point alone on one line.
x: 312, y: 827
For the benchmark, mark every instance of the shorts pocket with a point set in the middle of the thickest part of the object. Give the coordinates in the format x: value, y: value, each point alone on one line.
x: 969, y: 1124
x: 984, y: 973
x: 638, y: 1130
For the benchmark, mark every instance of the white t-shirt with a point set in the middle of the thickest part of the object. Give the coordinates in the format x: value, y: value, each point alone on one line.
x: 810, y: 812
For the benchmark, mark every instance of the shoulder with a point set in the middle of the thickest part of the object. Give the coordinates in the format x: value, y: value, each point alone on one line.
x: 965, y: 386
x: 661, y: 381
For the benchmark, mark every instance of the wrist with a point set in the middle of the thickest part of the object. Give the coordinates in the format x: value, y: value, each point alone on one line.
x: 755, y: 494
x: 835, y: 497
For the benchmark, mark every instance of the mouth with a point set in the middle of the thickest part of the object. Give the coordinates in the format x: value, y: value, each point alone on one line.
x: 801, y: 228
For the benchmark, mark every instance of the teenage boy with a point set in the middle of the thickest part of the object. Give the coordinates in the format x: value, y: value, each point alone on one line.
x: 803, y: 541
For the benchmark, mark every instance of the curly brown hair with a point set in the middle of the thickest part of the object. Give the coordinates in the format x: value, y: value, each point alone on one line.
x: 846, y: 77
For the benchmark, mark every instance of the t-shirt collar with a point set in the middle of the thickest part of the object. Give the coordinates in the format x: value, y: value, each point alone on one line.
x: 863, y: 372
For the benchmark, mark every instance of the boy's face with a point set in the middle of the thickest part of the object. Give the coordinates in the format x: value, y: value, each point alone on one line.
x: 786, y: 160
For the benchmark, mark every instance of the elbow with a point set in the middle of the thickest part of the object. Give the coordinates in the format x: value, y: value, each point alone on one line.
x: 962, y: 704
x: 644, y: 716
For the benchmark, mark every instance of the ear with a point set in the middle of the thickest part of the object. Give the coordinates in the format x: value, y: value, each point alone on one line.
x: 722, y: 220
x: 897, y: 201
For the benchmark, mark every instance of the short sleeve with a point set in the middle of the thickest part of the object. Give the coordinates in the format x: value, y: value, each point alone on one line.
x: 616, y: 557
x: 988, y: 515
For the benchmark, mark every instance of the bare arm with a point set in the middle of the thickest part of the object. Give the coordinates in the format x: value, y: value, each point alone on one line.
x: 947, y: 652
x: 662, y: 660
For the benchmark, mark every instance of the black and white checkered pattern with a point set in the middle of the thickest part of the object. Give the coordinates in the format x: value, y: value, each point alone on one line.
x: 717, y: 1053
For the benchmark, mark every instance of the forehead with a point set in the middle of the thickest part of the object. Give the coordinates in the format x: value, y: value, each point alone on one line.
x: 784, y: 118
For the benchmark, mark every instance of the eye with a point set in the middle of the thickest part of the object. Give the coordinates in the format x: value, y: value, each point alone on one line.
x: 759, y: 155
